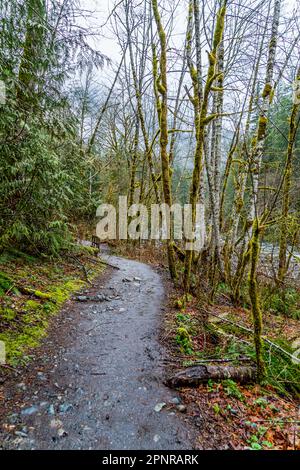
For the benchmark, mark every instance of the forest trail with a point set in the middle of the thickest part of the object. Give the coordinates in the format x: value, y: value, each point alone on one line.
x: 100, y: 389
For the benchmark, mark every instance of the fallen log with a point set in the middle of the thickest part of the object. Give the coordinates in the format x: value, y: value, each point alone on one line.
x: 193, y: 376
x: 35, y: 293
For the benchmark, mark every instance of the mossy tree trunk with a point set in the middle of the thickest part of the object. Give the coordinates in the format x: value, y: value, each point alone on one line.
x: 134, y: 161
x: 161, y: 87
x: 255, y: 159
x: 240, y: 181
x: 244, y: 165
x: 257, y: 149
x: 140, y: 112
x: 201, y: 121
x: 216, y: 259
x: 258, y: 142
x: 254, y: 298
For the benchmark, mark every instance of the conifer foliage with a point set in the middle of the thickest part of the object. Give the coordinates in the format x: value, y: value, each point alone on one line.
x: 44, y: 170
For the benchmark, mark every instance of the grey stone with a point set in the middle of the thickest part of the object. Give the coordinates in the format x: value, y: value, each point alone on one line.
x: 81, y: 298
x: 64, y: 407
x: 51, y: 410
x: 181, y: 408
x: 29, y: 411
x: 159, y: 406
x: 175, y: 401
x: 62, y: 433
x: 21, y: 434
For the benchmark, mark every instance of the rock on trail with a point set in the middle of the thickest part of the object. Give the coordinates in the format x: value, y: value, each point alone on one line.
x: 101, y: 386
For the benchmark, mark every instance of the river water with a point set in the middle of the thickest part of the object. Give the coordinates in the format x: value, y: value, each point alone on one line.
x: 270, y: 256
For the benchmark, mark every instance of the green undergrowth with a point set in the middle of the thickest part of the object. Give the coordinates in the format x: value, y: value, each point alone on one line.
x: 230, y: 337
x: 285, y: 302
x: 282, y: 374
x: 282, y: 302
x: 185, y: 328
x: 32, y: 291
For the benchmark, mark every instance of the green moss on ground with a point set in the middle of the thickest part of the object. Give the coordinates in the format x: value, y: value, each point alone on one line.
x: 46, y: 284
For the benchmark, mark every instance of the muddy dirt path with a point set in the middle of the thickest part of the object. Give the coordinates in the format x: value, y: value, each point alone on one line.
x: 98, y: 382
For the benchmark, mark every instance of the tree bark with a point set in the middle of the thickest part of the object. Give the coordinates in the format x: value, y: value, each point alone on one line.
x: 194, y: 376
x: 162, y: 108
x: 201, y: 122
x: 140, y: 112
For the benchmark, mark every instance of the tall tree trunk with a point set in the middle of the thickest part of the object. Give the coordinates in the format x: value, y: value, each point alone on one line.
x: 267, y: 96
x: 138, y: 95
x: 201, y: 122
x: 254, y: 298
x: 256, y: 158
x: 216, y: 160
x: 257, y: 147
x: 134, y: 160
x: 162, y: 87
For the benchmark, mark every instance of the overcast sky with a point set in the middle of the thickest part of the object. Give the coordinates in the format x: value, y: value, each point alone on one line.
x: 101, y: 9
x: 107, y: 43
x: 97, y: 13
